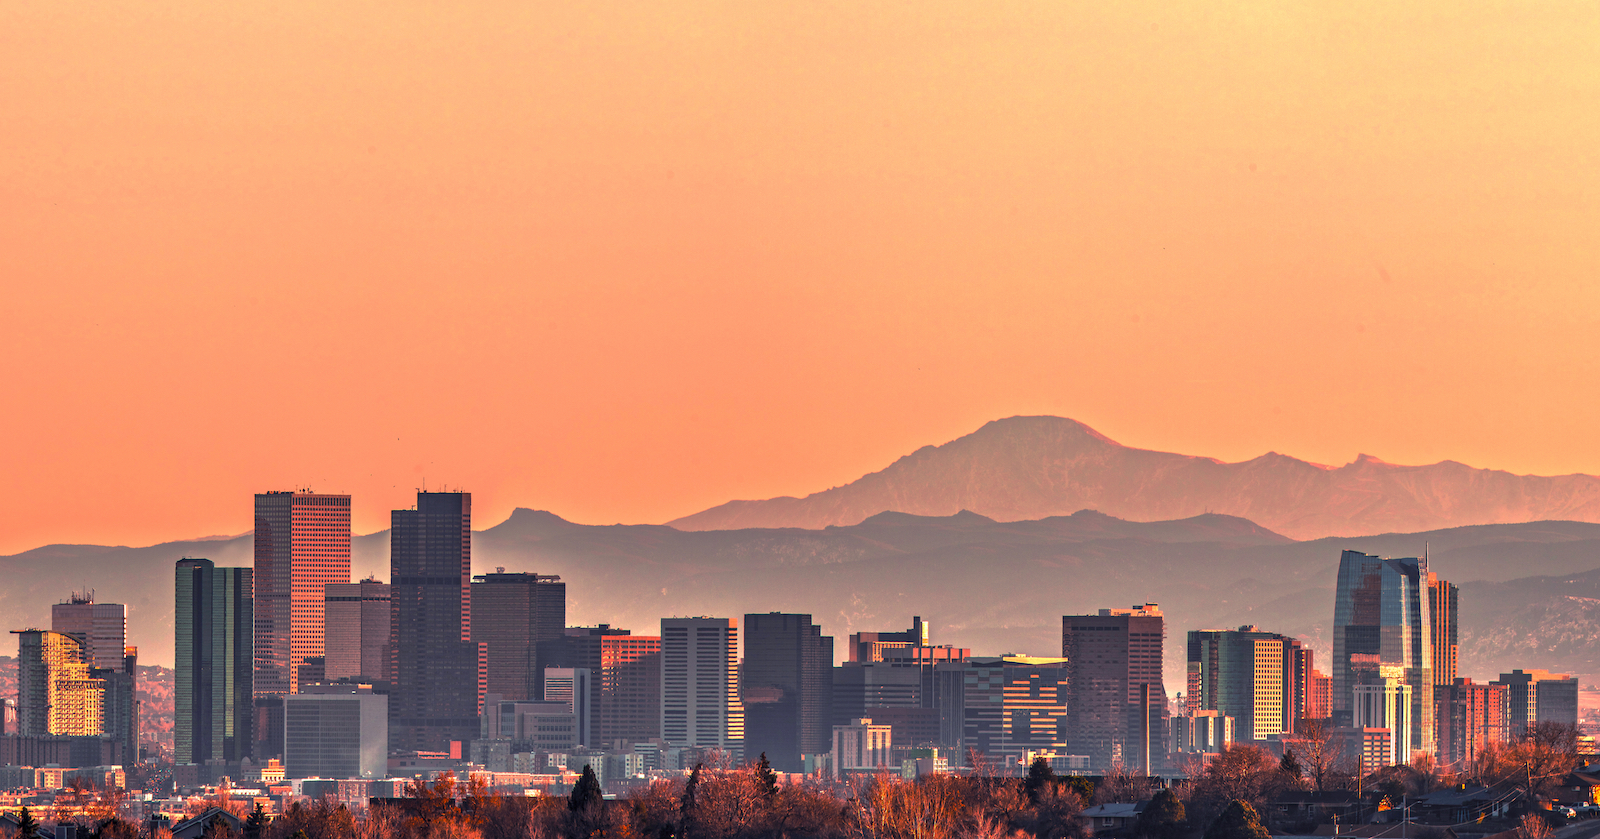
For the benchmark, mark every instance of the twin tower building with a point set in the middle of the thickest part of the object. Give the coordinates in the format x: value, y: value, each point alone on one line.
x: 248, y: 640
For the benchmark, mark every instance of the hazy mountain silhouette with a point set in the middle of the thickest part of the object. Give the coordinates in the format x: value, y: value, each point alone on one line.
x: 1530, y: 592
x: 1034, y: 467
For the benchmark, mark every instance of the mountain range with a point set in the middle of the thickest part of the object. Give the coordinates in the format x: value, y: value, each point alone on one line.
x: 1035, y: 467
x: 1530, y: 592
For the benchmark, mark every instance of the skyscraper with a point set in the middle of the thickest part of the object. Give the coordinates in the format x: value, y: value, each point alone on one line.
x: 1003, y: 708
x: 1443, y: 598
x: 626, y: 670
x: 56, y: 691
x: 700, y: 705
x: 787, y: 689
x: 1118, y: 709
x: 1470, y: 717
x: 102, y: 627
x: 1249, y: 675
x: 302, y: 544
x: 1381, y: 618
x: 437, y: 689
x: 213, y: 628
x: 512, y: 614
x: 356, y: 620
x: 1539, y: 696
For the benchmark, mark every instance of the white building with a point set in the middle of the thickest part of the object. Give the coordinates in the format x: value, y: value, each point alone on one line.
x: 336, y: 731
x: 1386, y: 705
x: 700, y: 705
x: 859, y: 745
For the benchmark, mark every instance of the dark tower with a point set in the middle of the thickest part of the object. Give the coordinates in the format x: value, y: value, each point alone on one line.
x: 788, y: 689
x: 437, y: 690
x: 214, y: 626
x: 513, y: 615
x: 1110, y: 658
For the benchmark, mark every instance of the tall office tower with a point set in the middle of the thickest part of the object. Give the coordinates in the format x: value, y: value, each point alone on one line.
x: 788, y: 689
x: 1381, y: 612
x: 1310, y: 700
x: 899, y: 690
x: 102, y: 627
x: 700, y: 705
x: 869, y: 646
x: 437, y: 690
x: 56, y: 691
x: 213, y: 625
x: 1443, y: 597
x: 302, y: 545
x: 626, y: 669
x: 1118, y: 709
x: 1471, y: 717
x: 1539, y: 696
x: 1249, y: 675
x: 121, y: 705
x: 1386, y: 703
x: 572, y: 685
x: 1004, y: 707
x: 356, y: 618
x: 513, y: 614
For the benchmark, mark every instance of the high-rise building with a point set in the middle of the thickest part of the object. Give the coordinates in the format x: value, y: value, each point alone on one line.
x: 1310, y: 700
x: 1249, y: 675
x: 1382, y: 616
x: 302, y: 545
x: 859, y: 745
x: 1470, y: 717
x: 1117, y: 711
x: 213, y: 628
x: 336, y: 731
x: 626, y: 670
x: 572, y: 685
x: 438, y: 684
x: 513, y: 614
x: 787, y: 689
x: 57, y: 692
x: 1539, y: 696
x: 868, y: 647
x: 102, y: 627
x: 356, y: 619
x: 1386, y: 703
x: 120, y: 720
x: 1004, y: 707
x: 1443, y: 600
x: 700, y: 704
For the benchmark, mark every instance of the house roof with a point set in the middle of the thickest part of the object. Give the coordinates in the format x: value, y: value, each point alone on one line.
x: 1115, y: 810
x: 196, y: 826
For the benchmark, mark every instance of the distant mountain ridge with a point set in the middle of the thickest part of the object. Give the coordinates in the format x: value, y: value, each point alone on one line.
x: 1530, y: 594
x: 1036, y: 467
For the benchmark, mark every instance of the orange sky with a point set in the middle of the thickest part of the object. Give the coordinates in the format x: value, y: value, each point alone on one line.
x: 625, y: 261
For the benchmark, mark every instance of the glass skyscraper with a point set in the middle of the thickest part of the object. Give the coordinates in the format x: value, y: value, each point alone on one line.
x: 1382, y: 620
x: 214, y: 626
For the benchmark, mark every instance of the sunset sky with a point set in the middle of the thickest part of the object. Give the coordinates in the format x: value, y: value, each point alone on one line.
x: 625, y: 261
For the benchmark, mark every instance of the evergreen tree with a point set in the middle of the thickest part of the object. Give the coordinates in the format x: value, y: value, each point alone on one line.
x: 1238, y: 821
x: 255, y: 822
x: 766, y: 779
x: 1290, y: 765
x: 1039, y: 776
x: 1163, y: 817
x: 686, y: 805
x: 587, y: 792
x: 26, y: 826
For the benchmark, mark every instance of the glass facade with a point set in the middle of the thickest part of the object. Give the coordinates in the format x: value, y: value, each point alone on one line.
x: 1382, y: 619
